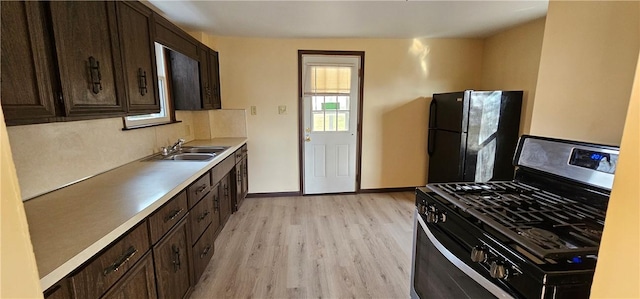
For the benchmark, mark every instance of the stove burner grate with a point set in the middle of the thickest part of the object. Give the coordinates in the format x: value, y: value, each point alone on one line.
x: 546, y: 224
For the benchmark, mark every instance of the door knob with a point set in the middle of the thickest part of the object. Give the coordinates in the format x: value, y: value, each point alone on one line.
x: 307, y: 139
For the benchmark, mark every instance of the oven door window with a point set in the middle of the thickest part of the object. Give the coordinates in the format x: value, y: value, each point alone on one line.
x: 437, y: 277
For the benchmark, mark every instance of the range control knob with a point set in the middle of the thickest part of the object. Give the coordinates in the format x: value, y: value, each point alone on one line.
x: 435, y: 216
x: 498, y: 270
x: 478, y: 254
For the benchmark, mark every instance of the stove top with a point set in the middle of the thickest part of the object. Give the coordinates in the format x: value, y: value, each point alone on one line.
x: 545, y: 224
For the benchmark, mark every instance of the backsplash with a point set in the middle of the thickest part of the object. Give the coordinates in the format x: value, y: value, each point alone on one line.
x: 49, y: 156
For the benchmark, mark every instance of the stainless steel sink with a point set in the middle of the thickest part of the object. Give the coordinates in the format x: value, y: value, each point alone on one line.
x: 190, y: 157
x: 191, y: 153
x: 204, y: 149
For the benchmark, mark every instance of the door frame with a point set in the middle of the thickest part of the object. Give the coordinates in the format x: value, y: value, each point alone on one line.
x: 360, y: 55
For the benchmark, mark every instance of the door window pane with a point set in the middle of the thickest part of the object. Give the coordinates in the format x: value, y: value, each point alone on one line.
x: 330, y: 113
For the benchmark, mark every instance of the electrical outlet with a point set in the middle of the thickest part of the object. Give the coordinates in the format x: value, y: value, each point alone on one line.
x: 282, y: 109
x: 253, y: 110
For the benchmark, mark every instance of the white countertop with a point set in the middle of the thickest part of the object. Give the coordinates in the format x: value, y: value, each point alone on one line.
x: 70, y: 225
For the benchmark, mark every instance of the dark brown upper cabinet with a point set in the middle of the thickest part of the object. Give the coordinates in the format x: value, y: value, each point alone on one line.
x: 210, y: 78
x: 28, y: 94
x: 135, y: 23
x: 214, y: 74
x: 185, y: 81
x: 89, y: 61
x: 190, y: 95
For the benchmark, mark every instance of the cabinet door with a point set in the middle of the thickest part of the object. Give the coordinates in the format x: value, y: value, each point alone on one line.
x: 245, y: 178
x: 138, y: 283
x: 225, y: 199
x: 185, y: 81
x: 27, y: 63
x: 88, y: 55
x: 138, y: 54
x: 205, y: 82
x: 215, y: 217
x: 172, y: 263
x: 214, y: 79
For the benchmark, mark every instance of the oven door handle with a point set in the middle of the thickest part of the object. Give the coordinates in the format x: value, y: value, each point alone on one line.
x: 485, y: 283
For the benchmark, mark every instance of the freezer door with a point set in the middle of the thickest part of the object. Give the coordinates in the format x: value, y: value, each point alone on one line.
x: 494, y: 119
x: 446, y: 156
x: 448, y: 111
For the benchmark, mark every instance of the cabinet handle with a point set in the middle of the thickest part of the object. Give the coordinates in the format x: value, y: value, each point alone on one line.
x: 120, y: 261
x: 173, y: 215
x: 176, y: 258
x: 204, y: 215
x: 205, y: 251
x: 201, y: 188
x: 226, y: 190
x: 142, y: 81
x: 96, y: 76
x: 215, y: 203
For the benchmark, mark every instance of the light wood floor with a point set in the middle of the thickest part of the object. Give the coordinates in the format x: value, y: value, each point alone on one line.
x: 333, y: 246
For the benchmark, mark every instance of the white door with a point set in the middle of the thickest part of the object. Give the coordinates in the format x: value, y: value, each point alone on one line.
x: 330, y: 119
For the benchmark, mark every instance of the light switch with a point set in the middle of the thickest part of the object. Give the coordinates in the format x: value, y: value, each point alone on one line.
x: 253, y: 110
x: 282, y: 109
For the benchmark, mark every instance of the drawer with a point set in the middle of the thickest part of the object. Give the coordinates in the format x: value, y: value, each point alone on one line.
x: 201, y: 216
x: 110, y: 265
x: 241, y: 153
x: 198, y: 189
x: 167, y: 216
x: 202, y: 253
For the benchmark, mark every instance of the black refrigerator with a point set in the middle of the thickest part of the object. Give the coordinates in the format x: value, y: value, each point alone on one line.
x: 473, y: 135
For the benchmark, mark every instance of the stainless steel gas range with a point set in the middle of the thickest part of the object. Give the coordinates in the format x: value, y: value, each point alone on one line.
x: 534, y: 237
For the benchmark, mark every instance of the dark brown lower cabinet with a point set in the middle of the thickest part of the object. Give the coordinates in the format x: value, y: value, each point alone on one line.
x: 58, y: 291
x: 172, y: 257
x: 202, y: 253
x: 225, y: 199
x: 138, y: 283
x: 242, y: 185
x: 215, y: 217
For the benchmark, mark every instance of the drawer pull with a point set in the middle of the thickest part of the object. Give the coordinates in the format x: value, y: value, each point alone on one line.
x: 215, y: 203
x: 204, y: 215
x: 120, y: 261
x: 205, y: 251
x: 176, y: 258
x: 201, y: 188
x: 173, y: 215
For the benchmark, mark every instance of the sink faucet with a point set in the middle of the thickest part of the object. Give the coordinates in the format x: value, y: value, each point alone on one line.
x: 172, y: 149
x: 177, y: 146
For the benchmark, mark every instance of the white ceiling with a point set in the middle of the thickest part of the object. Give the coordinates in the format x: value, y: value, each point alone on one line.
x: 351, y: 19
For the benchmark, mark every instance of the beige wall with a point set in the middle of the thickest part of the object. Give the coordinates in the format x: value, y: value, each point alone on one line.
x: 589, y: 54
x: 48, y: 156
x: 510, y: 62
x: 18, y: 271
x: 618, y: 270
x: 399, y: 73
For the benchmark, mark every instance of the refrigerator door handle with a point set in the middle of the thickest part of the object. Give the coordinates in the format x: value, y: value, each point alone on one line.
x: 433, y: 109
x: 431, y: 141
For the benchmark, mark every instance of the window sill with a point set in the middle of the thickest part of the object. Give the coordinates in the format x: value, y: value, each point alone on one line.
x: 150, y: 125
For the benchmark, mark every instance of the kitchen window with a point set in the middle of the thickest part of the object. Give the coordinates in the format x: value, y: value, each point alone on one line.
x: 164, y: 116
